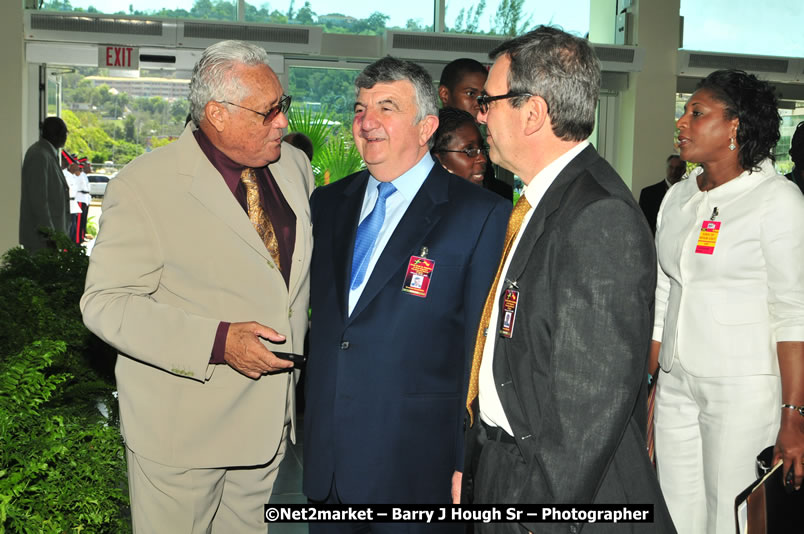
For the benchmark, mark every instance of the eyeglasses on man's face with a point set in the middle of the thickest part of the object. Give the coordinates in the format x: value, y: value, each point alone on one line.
x: 281, y: 107
x: 470, y: 152
x: 484, y: 100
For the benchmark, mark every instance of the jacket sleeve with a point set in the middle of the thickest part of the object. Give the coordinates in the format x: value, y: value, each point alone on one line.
x: 118, y: 305
x: 782, y: 242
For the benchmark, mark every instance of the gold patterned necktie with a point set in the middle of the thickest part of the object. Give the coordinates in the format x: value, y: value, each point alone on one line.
x: 257, y: 215
x: 514, y: 223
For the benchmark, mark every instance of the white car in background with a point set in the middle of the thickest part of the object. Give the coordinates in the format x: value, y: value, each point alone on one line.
x: 97, y: 183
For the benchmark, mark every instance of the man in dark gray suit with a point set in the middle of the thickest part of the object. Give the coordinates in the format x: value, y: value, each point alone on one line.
x: 562, y: 369
x: 45, y: 195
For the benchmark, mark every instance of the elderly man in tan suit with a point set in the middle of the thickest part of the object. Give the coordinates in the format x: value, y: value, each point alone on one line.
x: 199, y: 277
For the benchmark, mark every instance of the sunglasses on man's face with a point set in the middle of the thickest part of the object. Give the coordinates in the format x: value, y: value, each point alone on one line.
x: 281, y: 107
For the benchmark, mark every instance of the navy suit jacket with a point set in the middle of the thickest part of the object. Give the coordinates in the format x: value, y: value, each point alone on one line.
x: 386, y: 385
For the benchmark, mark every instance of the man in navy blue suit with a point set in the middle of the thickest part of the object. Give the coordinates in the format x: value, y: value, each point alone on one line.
x: 404, y: 254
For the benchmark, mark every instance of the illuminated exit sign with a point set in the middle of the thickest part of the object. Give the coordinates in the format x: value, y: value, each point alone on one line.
x: 119, y: 57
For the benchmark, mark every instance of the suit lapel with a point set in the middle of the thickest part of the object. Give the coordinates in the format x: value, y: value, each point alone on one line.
x: 546, y: 207
x: 410, y: 234
x: 209, y: 188
x: 347, y: 216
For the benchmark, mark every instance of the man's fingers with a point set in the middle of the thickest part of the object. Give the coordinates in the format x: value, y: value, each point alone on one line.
x: 266, y: 332
x: 246, y: 352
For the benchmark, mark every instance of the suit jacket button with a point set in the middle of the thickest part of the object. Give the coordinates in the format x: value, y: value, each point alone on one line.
x: 344, y: 345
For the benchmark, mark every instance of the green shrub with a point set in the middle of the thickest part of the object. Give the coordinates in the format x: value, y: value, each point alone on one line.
x: 40, y: 293
x: 59, y: 472
x: 61, y: 461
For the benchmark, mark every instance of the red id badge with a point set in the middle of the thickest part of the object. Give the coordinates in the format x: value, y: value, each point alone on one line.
x: 417, y: 279
x: 708, y: 237
x: 509, y: 304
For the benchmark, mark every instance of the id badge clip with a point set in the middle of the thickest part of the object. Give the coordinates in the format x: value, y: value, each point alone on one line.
x: 508, y: 310
x: 418, y: 275
x: 707, y: 239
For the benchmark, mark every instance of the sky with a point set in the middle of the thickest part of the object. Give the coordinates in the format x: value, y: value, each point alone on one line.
x: 770, y: 28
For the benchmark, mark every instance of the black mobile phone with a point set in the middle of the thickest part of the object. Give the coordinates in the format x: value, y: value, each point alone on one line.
x: 295, y: 358
x: 789, y: 480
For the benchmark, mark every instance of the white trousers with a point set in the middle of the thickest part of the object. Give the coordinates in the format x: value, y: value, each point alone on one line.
x: 708, y: 434
x: 175, y: 500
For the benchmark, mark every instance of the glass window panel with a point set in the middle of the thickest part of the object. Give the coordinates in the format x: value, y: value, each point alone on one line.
x: 509, y: 17
x: 744, y: 26
x: 337, y: 16
x: 323, y: 107
x: 193, y: 9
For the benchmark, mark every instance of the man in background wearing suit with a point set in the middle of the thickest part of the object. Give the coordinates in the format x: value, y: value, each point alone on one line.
x: 404, y: 255
x: 561, y: 369
x: 650, y: 198
x: 199, y: 277
x: 45, y: 195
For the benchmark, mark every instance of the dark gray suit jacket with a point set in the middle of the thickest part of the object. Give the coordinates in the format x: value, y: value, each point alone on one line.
x: 572, y: 378
x: 45, y: 196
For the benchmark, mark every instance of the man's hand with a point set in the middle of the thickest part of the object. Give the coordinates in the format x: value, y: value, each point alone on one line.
x: 245, y: 352
x: 457, y: 477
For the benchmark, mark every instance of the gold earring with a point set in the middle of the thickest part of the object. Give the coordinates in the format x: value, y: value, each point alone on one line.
x: 732, y: 146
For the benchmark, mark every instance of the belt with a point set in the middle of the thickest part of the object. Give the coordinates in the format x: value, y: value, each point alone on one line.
x: 496, y: 433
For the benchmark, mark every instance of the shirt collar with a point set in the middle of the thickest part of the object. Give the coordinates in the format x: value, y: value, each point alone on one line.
x: 540, y: 183
x: 409, y: 182
x: 229, y: 169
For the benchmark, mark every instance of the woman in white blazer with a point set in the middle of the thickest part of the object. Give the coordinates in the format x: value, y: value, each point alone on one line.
x: 729, y: 325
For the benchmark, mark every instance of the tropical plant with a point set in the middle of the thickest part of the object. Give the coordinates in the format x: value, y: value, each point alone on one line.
x: 338, y: 159
x: 314, y: 124
x: 334, y: 155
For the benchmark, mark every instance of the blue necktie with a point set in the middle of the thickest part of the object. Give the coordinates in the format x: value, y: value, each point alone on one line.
x: 367, y: 234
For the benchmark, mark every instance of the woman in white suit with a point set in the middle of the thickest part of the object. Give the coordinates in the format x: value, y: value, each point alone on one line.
x: 729, y: 329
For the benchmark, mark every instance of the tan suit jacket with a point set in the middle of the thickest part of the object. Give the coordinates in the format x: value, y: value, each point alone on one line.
x: 175, y: 255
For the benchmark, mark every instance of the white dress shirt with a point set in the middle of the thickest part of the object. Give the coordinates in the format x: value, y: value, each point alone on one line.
x: 82, y: 189
x: 491, y: 410
x: 407, y: 185
x: 72, y: 184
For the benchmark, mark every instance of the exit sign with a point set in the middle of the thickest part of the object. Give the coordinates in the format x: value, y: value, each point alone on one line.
x: 119, y: 57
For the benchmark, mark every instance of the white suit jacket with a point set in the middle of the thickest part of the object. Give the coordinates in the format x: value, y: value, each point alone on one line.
x: 175, y: 255
x: 721, y: 314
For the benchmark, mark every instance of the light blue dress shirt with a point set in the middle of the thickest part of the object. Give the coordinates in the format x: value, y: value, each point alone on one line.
x: 407, y: 185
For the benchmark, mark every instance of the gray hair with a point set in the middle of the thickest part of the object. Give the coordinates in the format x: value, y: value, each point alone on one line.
x: 390, y: 69
x: 560, y: 68
x: 212, y: 78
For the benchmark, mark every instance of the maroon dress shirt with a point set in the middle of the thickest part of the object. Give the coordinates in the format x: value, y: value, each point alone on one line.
x: 273, y: 204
